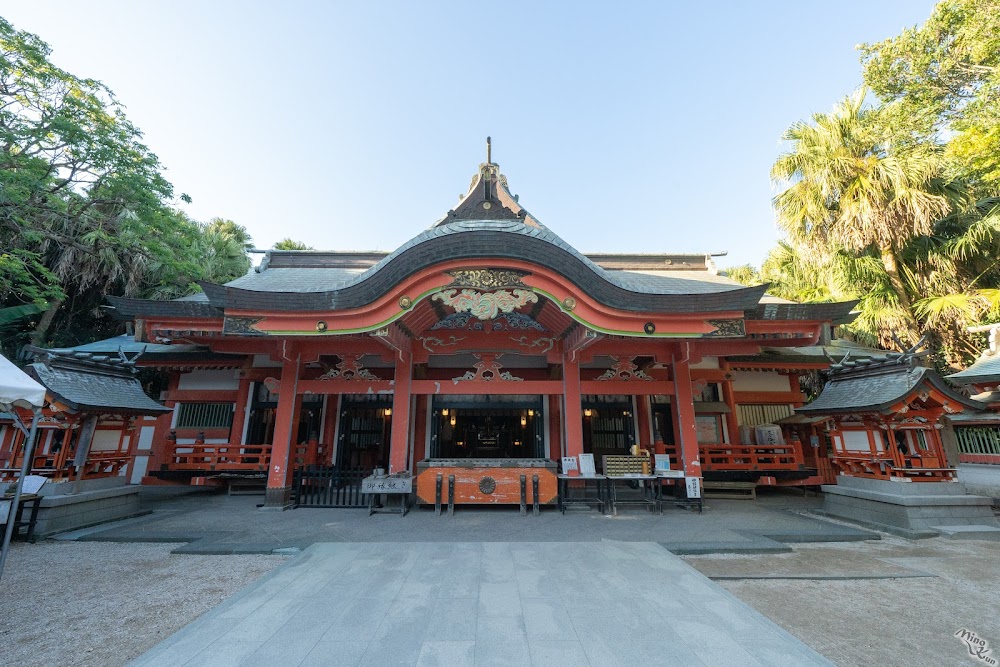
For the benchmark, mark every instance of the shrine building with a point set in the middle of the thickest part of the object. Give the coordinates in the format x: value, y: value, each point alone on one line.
x: 486, y: 338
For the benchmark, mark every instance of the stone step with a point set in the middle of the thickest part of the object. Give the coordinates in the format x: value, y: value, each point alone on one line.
x: 970, y: 532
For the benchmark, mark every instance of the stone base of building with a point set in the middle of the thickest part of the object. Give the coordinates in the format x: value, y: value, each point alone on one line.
x: 908, y: 509
x: 278, y: 499
x: 96, y: 501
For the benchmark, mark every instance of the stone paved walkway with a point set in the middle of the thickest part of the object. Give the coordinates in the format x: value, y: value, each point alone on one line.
x: 489, y: 603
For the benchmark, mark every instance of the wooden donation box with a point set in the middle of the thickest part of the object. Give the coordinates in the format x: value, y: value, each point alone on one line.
x: 488, y: 481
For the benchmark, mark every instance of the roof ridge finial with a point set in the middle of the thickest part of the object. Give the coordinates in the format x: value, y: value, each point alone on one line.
x: 489, y: 151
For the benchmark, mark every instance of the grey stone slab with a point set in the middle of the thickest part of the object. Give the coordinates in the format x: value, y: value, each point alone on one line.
x: 547, y: 619
x: 462, y: 584
x: 499, y: 599
x: 502, y: 652
x: 453, y: 620
x: 447, y: 654
x: 647, y: 607
x: 391, y: 652
x: 224, y: 653
x: 335, y: 654
x: 281, y: 650
x: 557, y: 654
x: 536, y: 583
x: 359, y: 620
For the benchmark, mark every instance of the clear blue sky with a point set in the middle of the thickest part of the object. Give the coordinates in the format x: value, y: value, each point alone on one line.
x: 644, y: 127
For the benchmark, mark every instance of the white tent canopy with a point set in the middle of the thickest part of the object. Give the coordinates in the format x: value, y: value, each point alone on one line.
x: 16, y: 388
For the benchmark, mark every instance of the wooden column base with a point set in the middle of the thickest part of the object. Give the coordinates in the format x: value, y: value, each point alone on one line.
x: 278, y: 499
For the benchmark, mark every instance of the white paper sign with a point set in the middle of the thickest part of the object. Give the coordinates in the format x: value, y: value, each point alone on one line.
x: 693, y: 487
x: 568, y: 464
x: 587, y: 467
x: 32, y: 483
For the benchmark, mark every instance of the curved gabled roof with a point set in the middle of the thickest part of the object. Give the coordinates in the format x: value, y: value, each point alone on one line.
x: 869, y: 385
x: 487, y: 240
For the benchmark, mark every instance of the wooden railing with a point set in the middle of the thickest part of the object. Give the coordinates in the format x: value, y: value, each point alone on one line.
x: 750, y: 457
x: 211, y: 457
x: 884, y: 467
x: 99, y: 464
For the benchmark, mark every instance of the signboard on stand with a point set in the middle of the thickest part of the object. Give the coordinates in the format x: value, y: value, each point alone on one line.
x: 386, y: 485
x: 693, y: 485
x: 587, y: 467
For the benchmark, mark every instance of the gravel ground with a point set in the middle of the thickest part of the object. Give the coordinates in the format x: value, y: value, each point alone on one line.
x: 98, y: 603
x: 85, y: 603
x: 892, y: 621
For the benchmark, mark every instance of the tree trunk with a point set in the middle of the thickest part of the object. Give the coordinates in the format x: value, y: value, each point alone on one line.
x: 40, y: 334
x: 891, y: 264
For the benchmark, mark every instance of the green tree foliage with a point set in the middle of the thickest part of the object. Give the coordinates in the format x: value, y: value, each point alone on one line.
x: 941, y: 80
x: 847, y: 187
x: 84, y: 208
x: 289, y: 244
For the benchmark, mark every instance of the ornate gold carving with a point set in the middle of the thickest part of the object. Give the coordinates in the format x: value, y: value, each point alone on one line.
x: 485, y: 305
x: 624, y: 369
x: 349, y: 368
x: 488, y: 369
x: 242, y: 325
x: 726, y: 329
x: 430, y: 342
x: 531, y: 343
x: 487, y: 279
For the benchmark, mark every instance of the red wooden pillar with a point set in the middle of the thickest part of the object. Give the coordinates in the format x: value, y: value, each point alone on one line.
x: 279, y: 476
x: 687, y: 447
x: 572, y: 414
x: 239, y: 413
x: 732, y: 418
x: 642, y: 415
x: 399, y: 444
x: 420, y: 429
x: 552, y: 410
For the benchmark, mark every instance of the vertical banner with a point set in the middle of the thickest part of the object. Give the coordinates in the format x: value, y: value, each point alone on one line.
x: 693, y: 485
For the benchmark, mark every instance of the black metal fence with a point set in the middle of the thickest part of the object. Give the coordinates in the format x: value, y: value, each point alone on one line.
x: 330, y: 486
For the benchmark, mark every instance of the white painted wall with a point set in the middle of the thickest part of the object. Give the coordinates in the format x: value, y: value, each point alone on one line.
x: 856, y: 441
x: 224, y: 379
x: 707, y: 362
x: 105, y: 440
x: 138, y: 469
x: 760, y: 381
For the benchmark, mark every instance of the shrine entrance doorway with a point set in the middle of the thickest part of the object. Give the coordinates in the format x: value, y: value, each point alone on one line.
x: 365, y: 433
x: 487, y: 427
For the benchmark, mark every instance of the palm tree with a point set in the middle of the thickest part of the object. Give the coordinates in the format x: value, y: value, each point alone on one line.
x: 848, y: 187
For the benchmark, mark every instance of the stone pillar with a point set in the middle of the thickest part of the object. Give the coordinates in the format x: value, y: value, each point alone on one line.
x: 572, y: 413
x: 279, y: 476
x: 687, y: 447
x: 400, y: 442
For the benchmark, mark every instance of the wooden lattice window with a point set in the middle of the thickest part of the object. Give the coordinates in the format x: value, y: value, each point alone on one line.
x: 205, y: 415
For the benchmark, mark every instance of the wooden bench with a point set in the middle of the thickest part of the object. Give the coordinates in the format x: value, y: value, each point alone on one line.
x: 725, y: 489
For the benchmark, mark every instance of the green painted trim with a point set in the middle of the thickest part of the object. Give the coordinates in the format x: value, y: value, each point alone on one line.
x: 342, y: 332
x: 613, y: 332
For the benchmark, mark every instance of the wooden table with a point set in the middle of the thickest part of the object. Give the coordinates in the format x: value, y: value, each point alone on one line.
x: 582, y: 501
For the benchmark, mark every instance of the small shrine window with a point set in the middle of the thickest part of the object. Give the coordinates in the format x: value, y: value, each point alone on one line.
x: 204, y: 415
